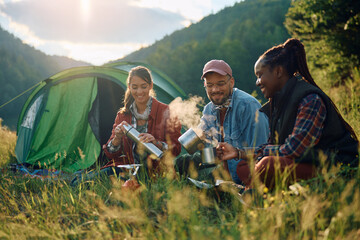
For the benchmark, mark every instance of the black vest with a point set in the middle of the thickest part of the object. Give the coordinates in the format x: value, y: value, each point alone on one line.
x: 336, y: 141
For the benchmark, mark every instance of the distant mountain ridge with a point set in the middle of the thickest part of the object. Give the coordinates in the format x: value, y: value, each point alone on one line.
x: 237, y: 34
x: 22, y: 66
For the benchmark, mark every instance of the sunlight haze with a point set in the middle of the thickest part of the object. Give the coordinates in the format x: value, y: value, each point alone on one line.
x: 98, y: 31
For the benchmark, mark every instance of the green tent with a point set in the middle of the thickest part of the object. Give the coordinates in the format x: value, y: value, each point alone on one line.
x: 167, y: 87
x: 68, y: 117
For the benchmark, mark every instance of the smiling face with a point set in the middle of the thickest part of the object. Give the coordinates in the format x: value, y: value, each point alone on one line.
x: 140, y: 90
x: 218, y: 87
x: 269, y: 80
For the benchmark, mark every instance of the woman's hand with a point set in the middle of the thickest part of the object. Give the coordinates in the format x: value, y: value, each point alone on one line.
x: 147, y: 138
x: 119, y: 132
x: 224, y: 151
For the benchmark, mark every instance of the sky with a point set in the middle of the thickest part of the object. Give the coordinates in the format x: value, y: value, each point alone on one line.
x: 97, y: 31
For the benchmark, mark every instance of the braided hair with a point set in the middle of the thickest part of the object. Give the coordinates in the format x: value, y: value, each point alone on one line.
x: 291, y: 55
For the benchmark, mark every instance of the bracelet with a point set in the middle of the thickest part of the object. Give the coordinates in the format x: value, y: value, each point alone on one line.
x: 163, y: 145
x: 113, y: 148
x: 158, y: 143
x: 240, y: 151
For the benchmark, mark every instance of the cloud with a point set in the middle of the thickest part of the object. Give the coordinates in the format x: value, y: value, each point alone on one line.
x: 98, y: 53
x: 191, y: 10
x: 93, y: 21
x: 98, y: 31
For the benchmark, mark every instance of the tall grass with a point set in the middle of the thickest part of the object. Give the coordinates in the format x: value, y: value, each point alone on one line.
x: 326, y: 207
x: 7, y: 145
x: 347, y: 99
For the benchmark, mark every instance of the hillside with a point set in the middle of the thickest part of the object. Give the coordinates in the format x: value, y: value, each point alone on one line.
x: 237, y: 34
x: 22, y: 66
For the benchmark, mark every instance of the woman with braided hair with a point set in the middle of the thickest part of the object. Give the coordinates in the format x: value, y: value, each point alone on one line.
x: 304, y: 122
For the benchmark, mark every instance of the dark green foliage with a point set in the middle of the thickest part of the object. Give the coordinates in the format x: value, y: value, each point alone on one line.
x: 21, y: 67
x: 330, y: 31
x: 238, y: 34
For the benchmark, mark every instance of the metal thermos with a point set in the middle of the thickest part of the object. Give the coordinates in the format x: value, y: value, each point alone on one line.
x: 191, y: 141
x: 132, y: 133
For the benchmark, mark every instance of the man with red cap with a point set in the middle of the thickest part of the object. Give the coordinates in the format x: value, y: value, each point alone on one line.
x: 231, y: 116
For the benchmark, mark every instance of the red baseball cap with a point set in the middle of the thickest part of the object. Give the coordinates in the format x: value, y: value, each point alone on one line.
x: 218, y: 66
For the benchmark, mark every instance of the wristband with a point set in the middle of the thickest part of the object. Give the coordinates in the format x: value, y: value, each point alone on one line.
x: 239, y: 153
x: 163, y: 145
x: 113, y: 148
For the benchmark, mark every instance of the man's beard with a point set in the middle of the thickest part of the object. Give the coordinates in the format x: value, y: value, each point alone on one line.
x: 222, y: 100
x: 219, y: 102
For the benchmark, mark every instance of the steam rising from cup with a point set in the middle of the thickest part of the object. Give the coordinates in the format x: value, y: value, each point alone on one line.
x: 187, y: 111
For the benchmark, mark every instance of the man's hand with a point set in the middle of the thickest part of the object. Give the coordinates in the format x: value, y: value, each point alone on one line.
x: 224, y: 151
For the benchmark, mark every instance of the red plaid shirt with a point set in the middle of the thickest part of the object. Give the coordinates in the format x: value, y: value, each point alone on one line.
x: 307, y: 130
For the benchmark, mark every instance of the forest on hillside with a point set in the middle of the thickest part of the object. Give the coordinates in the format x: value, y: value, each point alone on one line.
x: 237, y: 34
x: 22, y: 67
x: 329, y: 29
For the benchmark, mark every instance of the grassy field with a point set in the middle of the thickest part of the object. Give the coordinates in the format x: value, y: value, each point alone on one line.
x: 326, y: 207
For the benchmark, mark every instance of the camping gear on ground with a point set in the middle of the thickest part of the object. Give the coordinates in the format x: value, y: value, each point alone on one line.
x: 130, y: 167
x: 134, y: 167
x: 217, y: 183
x: 133, y: 134
x: 191, y: 141
x: 208, y: 155
x: 131, y: 183
x: 201, y: 184
x: 24, y: 170
x: 69, y: 116
x: 124, y: 172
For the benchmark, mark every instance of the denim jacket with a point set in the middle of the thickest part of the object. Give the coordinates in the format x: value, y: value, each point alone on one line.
x: 244, y: 125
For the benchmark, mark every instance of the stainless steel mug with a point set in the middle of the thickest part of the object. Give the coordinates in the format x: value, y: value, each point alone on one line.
x: 191, y: 141
x: 133, y: 134
x: 208, y: 155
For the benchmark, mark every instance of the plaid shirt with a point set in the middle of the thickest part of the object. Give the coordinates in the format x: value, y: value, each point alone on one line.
x: 307, y: 130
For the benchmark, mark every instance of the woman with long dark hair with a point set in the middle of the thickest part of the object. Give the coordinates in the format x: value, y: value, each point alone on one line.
x: 305, y: 125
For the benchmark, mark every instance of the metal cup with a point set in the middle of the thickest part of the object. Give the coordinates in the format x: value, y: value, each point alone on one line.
x: 208, y: 155
x: 191, y: 141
